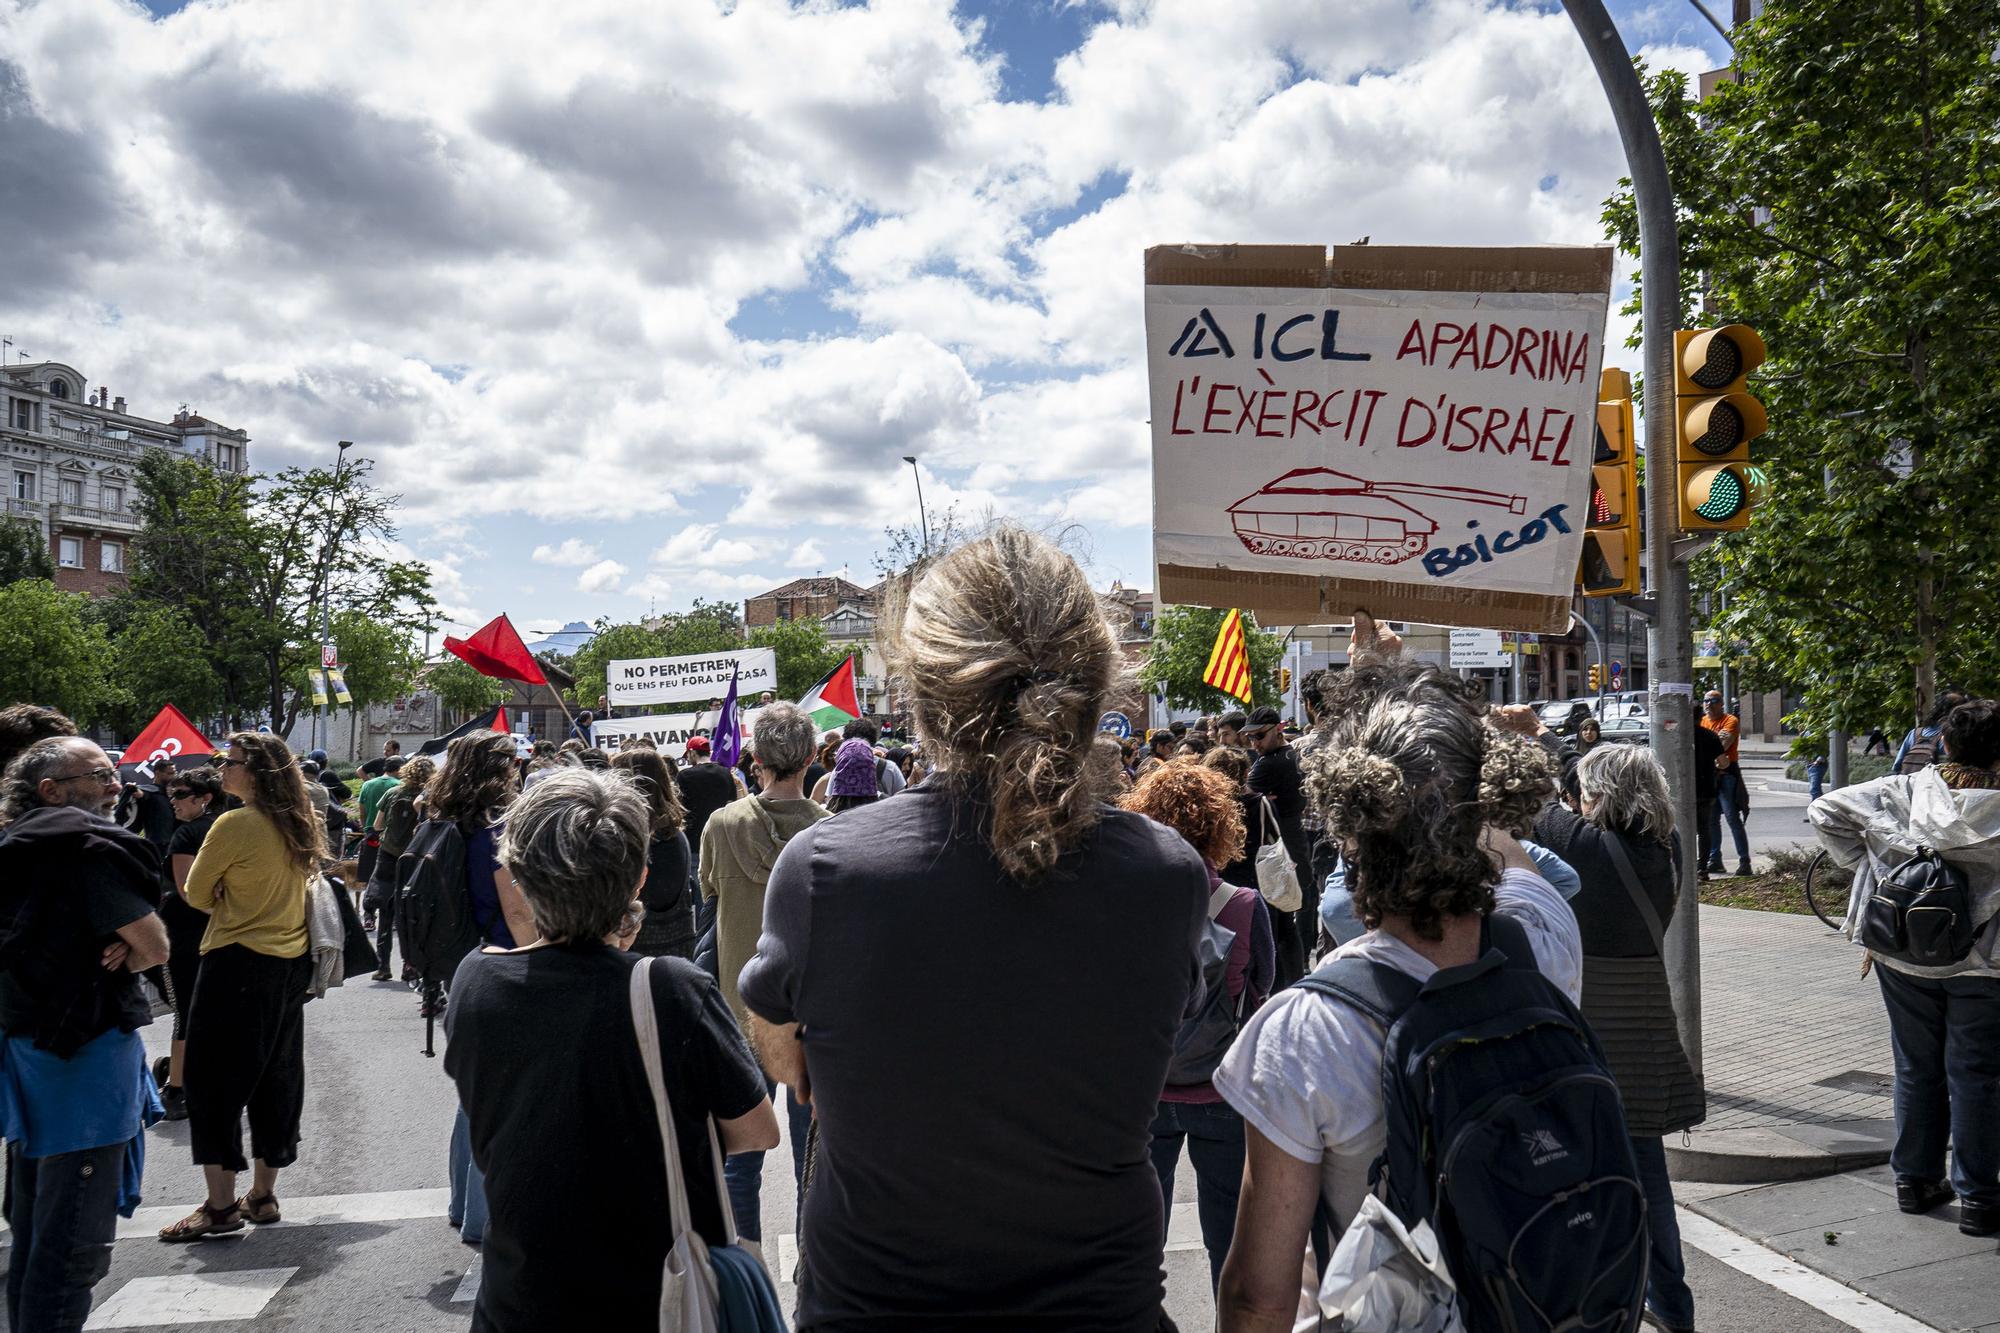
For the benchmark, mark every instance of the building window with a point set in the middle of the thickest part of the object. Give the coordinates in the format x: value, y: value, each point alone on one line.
x: 114, y: 499
x: 71, y: 491
x: 69, y: 552
x: 24, y: 414
x: 228, y: 457
x: 111, y: 557
x: 24, y: 485
x: 60, y: 388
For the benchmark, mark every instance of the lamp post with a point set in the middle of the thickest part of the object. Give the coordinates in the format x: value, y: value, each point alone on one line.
x: 923, y: 518
x: 323, y: 731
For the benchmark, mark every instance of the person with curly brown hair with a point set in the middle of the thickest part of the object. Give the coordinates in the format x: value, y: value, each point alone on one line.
x: 1425, y: 799
x: 1200, y: 804
x: 246, y: 1031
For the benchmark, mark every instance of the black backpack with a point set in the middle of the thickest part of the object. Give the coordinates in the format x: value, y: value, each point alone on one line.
x: 1506, y: 1134
x: 1919, y: 913
x: 434, y: 922
x: 1205, y: 1038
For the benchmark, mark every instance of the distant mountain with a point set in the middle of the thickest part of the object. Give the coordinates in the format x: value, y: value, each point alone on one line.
x: 569, y: 639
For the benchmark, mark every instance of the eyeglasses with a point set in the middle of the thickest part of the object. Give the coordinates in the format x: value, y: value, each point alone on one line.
x: 224, y: 761
x: 104, y: 777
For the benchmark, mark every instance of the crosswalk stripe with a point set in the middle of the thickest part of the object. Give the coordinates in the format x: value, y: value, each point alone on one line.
x: 1833, y: 1299
x: 190, y: 1298
x: 311, y: 1210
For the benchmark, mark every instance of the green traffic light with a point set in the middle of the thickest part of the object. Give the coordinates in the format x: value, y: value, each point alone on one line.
x: 1726, y: 495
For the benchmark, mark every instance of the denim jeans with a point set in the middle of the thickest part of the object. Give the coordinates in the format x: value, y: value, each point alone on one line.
x: 1734, y: 799
x: 64, y: 1213
x: 1946, y: 1037
x: 467, y: 1209
x: 1214, y: 1134
x: 743, y: 1174
x: 1708, y: 835
x: 1667, y: 1293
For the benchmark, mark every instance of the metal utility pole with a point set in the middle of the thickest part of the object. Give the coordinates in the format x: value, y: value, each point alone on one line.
x: 1669, y: 649
x: 923, y: 515
x: 322, y: 732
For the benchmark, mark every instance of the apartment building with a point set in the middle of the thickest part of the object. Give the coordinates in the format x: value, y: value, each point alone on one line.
x: 71, y: 455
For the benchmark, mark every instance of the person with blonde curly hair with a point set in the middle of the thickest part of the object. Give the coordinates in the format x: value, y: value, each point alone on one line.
x: 990, y: 970
x: 1200, y: 804
x: 1424, y: 797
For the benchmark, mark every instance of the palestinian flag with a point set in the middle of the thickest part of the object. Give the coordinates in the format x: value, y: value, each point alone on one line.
x: 832, y: 703
x: 493, y: 719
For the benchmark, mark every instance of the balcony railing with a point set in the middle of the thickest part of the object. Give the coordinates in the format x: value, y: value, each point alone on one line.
x: 25, y: 508
x: 121, y: 518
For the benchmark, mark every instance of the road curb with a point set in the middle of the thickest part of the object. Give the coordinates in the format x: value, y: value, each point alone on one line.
x: 1767, y: 1154
x: 1788, y: 784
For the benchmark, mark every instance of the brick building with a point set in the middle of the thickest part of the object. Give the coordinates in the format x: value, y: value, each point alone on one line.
x: 71, y: 457
x: 815, y: 598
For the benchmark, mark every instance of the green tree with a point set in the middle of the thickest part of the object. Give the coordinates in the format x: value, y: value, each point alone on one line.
x: 462, y: 689
x: 706, y: 627
x: 155, y: 660
x: 24, y: 552
x: 804, y: 655
x: 255, y: 568
x: 614, y: 643
x: 1183, y: 638
x: 378, y: 661
x: 1842, y: 197
x: 52, y: 653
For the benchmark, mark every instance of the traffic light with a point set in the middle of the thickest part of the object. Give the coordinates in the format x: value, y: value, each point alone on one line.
x: 1609, y: 566
x: 1284, y: 680
x: 1596, y: 677
x: 1715, y: 420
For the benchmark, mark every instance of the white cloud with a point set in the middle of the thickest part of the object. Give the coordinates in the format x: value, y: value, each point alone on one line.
x: 601, y: 577
x: 505, y: 258
x: 572, y: 551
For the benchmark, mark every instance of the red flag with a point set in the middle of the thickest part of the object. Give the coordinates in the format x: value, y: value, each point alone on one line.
x: 496, y: 650
x: 169, y: 736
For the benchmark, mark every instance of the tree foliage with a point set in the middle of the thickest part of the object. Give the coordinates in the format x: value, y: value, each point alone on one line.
x: 1183, y: 638
x: 378, y: 661
x: 706, y: 627
x: 460, y: 688
x: 254, y: 569
x: 53, y: 653
x: 804, y: 655
x: 24, y: 551
x: 154, y: 662
x: 1842, y: 197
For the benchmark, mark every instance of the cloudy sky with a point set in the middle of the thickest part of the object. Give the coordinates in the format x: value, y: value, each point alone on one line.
x: 638, y: 301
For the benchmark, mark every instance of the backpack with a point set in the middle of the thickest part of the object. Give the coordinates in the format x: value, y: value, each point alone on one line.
x: 434, y: 922
x: 1506, y: 1135
x: 1919, y: 913
x: 1923, y: 751
x: 1205, y: 1038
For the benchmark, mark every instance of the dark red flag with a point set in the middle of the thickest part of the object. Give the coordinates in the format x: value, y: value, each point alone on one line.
x: 496, y: 650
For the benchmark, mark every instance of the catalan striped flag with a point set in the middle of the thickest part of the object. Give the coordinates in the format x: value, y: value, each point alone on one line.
x: 1229, y: 665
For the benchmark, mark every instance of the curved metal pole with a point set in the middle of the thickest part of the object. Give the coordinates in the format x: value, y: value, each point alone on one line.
x: 1670, y: 654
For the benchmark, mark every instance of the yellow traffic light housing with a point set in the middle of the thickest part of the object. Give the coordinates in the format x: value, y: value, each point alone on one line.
x: 1609, y: 566
x: 1715, y: 421
x: 1596, y: 680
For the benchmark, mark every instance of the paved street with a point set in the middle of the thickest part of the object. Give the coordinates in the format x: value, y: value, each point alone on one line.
x: 365, y: 1243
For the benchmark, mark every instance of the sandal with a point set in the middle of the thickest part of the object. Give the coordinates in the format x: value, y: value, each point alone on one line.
x: 261, y: 1211
x: 205, y: 1221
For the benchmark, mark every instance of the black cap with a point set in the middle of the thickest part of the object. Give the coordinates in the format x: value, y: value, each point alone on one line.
x: 1266, y: 716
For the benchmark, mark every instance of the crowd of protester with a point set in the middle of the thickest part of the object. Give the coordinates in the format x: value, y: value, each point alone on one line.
x: 1006, y: 976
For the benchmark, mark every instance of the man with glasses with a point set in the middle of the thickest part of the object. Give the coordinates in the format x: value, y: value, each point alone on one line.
x: 77, y: 926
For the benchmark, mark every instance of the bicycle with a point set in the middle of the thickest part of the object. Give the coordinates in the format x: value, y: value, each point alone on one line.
x: 1828, y: 888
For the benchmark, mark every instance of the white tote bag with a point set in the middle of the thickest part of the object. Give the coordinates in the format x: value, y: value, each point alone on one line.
x: 1277, y: 873
x: 687, y: 1283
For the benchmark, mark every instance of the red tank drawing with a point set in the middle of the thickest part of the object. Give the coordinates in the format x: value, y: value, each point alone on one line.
x: 1315, y: 513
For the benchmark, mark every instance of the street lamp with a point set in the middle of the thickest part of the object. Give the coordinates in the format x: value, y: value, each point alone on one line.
x: 922, y: 517
x: 324, y: 732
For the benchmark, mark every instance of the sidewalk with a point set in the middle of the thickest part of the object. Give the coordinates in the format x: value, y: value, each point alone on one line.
x: 1796, y: 1054
x: 1847, y: 1227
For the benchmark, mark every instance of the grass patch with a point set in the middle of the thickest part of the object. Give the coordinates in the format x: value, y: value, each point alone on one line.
x: 1860, y: 768
x: 1781, y: 888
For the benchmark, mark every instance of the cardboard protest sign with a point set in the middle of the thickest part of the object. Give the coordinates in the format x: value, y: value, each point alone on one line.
x: 653, y: 680
x: 669, y: 732
x: 1405, y: 430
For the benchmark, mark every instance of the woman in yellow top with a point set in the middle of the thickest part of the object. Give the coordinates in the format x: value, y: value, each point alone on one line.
x: 246, y: 1030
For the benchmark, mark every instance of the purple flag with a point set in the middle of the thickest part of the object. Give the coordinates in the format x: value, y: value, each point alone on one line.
x: 728, y: 730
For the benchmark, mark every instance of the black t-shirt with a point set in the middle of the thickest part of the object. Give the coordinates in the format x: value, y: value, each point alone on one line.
x: 1277, y: 776
x: 1707, y: 749
x: 55, y: 989
x: 547, y: 1066
x: 986, y: 1060
x: 186, y: 841
x: 666, y: 873
x: 705, y: 788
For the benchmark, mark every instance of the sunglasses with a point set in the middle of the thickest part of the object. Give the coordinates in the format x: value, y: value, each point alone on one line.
x: 224, y: 761
x: 180, y: 795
